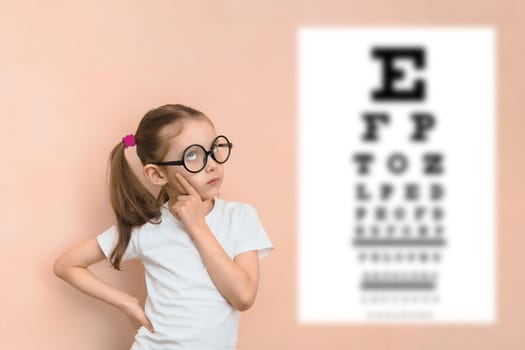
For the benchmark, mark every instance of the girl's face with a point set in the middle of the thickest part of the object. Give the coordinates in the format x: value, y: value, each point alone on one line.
x: 192, y: 132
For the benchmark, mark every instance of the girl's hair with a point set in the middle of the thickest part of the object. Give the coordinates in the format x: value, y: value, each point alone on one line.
x: 132, y: 203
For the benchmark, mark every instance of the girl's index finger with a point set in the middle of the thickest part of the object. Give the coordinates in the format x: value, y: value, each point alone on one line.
x: 187, y: 186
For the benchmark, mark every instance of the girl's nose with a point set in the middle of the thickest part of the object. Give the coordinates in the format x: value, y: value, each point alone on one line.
x: 211, y: 164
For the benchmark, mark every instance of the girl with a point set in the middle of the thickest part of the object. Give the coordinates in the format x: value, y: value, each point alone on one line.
x: 200, y: 253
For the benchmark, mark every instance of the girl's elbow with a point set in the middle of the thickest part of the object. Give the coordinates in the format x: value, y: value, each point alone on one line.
x: 241, y: 306
x: 245, y: 302
x: 60, y: 268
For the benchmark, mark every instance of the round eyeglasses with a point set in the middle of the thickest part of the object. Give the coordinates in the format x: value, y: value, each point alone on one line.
x: 195, y: 157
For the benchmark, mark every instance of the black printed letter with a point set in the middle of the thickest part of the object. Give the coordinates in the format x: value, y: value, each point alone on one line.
x: 388, y: 55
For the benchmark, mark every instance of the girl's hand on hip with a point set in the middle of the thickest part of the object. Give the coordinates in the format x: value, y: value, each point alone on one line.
x: 189, y: 208
x: 136, y: 315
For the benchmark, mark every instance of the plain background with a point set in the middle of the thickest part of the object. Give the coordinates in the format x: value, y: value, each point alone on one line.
x: 76, y: 76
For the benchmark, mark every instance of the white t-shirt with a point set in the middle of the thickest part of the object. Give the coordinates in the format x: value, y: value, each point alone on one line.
x: 185, y: 307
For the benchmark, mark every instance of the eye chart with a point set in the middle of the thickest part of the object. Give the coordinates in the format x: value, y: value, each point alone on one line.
x: 396, y: 169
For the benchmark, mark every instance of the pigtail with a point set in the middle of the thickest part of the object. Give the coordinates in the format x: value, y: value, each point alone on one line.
x: 132, y: 203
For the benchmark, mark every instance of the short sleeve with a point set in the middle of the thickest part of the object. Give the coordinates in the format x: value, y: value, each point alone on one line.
x: 108, y: 239
x: 251, y: 234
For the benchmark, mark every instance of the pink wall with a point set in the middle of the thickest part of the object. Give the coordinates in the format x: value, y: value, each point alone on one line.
x: 77, y: 76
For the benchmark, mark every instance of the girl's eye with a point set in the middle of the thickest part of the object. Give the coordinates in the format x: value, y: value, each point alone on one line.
x: 191, y: 155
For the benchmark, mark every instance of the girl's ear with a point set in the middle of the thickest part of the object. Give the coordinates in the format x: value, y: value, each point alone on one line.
x: 154, y: 175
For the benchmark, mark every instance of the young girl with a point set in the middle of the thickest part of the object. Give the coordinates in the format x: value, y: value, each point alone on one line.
x: 200, y: 253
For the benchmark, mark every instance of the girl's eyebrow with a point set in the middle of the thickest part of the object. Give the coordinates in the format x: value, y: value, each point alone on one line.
x: 209, y: 144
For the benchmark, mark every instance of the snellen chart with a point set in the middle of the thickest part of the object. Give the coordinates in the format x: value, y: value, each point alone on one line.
x: 396, y: 172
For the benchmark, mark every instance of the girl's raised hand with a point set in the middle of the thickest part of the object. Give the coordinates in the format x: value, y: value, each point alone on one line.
x: 136, y: 315
x: 189, y: 208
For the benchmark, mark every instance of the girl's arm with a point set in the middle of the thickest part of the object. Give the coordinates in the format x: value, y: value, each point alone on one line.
x: 72, y: 268
x: 237, y: 280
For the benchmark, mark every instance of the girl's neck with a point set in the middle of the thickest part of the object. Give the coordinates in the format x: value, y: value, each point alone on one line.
x: 208, y: 205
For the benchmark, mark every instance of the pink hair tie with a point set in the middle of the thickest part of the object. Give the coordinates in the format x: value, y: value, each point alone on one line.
x: 129, y: 140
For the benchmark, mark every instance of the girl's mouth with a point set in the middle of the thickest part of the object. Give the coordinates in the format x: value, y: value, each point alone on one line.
x: 213, y: 181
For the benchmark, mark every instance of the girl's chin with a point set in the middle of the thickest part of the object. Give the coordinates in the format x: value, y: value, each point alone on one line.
x: 210, y: 194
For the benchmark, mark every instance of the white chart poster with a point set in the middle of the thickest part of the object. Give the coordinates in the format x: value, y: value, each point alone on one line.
x: 396, y: 169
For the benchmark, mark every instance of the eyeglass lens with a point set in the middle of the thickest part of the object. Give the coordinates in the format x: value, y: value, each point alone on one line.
x: 195, y: 156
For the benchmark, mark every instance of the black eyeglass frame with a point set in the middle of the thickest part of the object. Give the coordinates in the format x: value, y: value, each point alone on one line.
x: 207, y: 153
